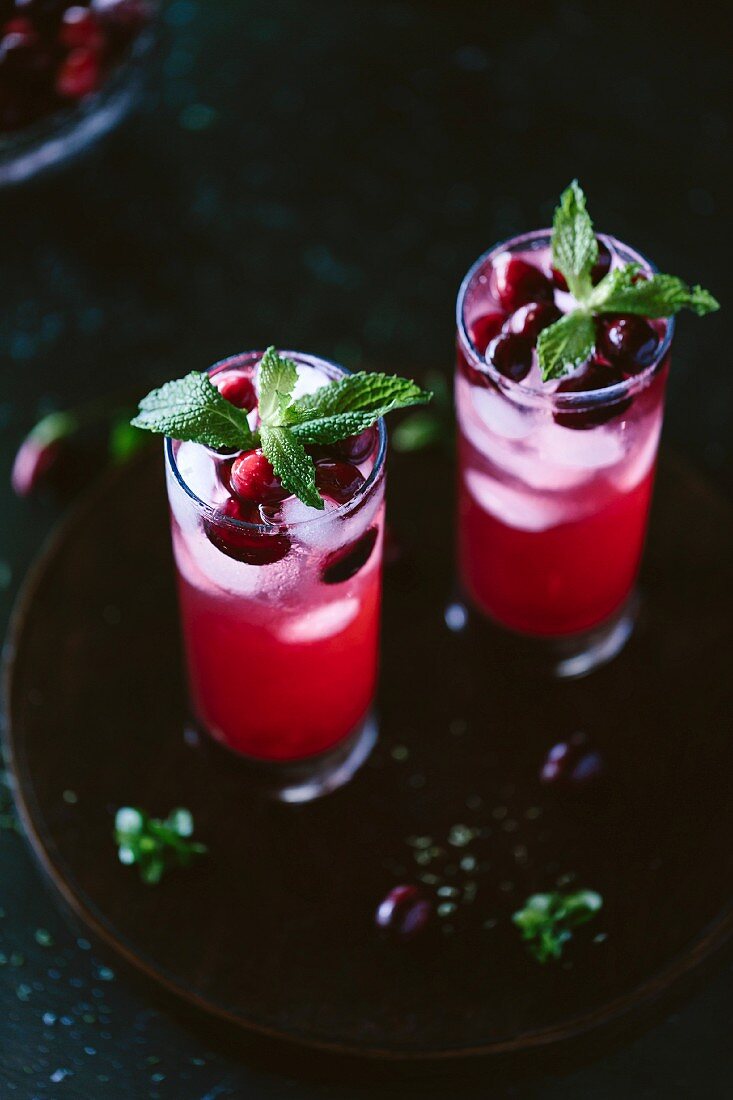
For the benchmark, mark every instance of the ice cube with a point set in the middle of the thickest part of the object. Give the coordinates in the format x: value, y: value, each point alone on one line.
x: 594, y: 449
x: 321, y: 622
x: 519, y: 508
x: 502, y: 416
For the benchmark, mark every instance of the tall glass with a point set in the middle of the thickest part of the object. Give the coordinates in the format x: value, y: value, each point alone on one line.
x: 281, y: 618
x: 554, y: 486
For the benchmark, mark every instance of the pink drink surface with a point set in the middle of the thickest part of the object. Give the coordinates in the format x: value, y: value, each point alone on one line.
x: 281, y: 646
x: 552, y: 510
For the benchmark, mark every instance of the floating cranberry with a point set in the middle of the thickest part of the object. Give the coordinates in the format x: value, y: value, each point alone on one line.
x: 594, y: 376
x: 511, y: 355
x: 601, y: 267
x: 80, y: 27
x: 252, y: 547
x: 573, y: 763
x: 238, y: 389
x: 404, y: 913
x: 628, y: 341
x: 253, y: 479
x: 515, y: 282
x: 356, y: 448
x: 79, y: 74
x: 484, y: 328
x: 338, y: 480
x: 529, y: 320
x: 344, y: 564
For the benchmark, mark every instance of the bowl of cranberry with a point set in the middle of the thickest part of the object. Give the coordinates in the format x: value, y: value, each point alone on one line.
x: 69, y: 71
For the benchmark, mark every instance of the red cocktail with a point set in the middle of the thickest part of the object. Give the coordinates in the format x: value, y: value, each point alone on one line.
x: 555, y: 478
x: 279, y: 601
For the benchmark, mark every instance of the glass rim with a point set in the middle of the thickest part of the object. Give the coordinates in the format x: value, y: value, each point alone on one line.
x: 329, y: 367
x: 529, y: 395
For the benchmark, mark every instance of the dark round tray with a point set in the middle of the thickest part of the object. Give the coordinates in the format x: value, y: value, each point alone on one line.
x: 272, y: 935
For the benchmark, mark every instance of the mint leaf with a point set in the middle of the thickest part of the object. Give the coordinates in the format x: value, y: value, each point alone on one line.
x: 422, y: 429
x: 566, y: 344
x: 546, y: 920
x: 371, y: 394
x: 277, y: 378
x: 153, y: 844
x: 290, y: 462
x: 574, y: 244
x: 658, y: 296
x: 192, y: 408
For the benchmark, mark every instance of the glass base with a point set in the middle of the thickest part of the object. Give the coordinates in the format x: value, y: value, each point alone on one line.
x: 291, y: 780
x: 567, y: 657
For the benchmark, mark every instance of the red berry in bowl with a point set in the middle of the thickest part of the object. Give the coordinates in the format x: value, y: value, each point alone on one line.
x: 338, y: 480
x: 601, y: 267
x: 528, y: 321
x: 593, y: 376
x: 514, y: 282
x: 629, y: 341
x: 251, y: 547
x: 356, y: 448
x: 253, y: 479
x: 404, y: 913
x: 237, y: 388
x: 511, y: 355
x: 80, y: 27
x: 79, y: 75
x: 484, y: 328
x: 345, y: 563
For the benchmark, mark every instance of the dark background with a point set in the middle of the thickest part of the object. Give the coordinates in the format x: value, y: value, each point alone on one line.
x: 320, y: 175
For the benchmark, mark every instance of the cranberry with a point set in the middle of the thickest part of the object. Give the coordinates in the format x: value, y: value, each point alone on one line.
x: 254, y: 479
x: 122, y: 19
x: 356, y: 448
x: 572, y: 763
x: 483, y: 329
x: 338, y: 480
x: 238, y: 389
x: 628, y: 341
x: 404, y: 913
x: 529, y: 320
x: 80, y: 27
x: 511, y: 355
x: 515, y: 282
x: 79, y: 74
x: 33, y: 464
x: 594, y: 376
x: 250, y: 547
x: 344, y: 564
x: 24, y: 63
x: 601, y: 267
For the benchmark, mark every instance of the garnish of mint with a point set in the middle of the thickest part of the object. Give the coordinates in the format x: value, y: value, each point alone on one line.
x: 192, y: 408
x: 547, y: 921
x: 155, y: 845
x: 570, y: 341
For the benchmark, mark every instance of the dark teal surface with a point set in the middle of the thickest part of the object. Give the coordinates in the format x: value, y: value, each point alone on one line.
x: 320, y: 175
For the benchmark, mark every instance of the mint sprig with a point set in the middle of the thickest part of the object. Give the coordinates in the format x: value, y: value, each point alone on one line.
x: 192, y: 408
x: 574, y: 244
x: 155, y: 845
x: 547, y: 921
x: 571, y: 341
